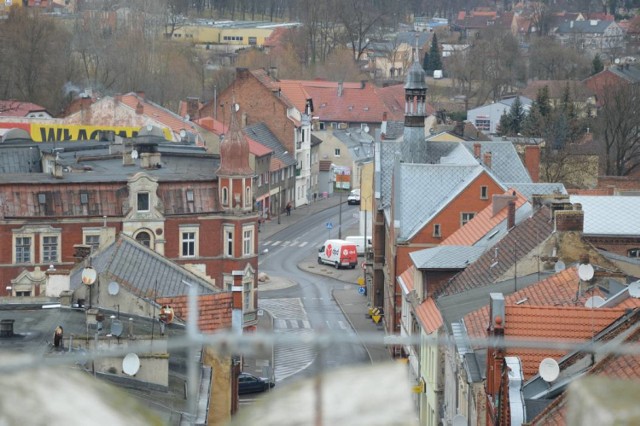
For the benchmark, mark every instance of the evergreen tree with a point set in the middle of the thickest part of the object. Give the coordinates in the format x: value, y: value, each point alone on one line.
x: 425, y: 63
x: 504, y: 125
x: 435, y: 62
x: 542, y: 101
x: 517, y: 115
x: 596, y: 65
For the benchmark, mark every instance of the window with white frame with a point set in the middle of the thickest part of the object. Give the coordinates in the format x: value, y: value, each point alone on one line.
x: 247, y: 240
x: 189, y: 241
x: 50, y: 248
x: 436, y: 230
x: 225, y: 196
x: 484, y: 192
x: 227, y: 282
x: 23, y: 246
x: 143, y: 201
x: 336, y: 152
x: 466, y: 217
x: 91, y: 238
x: 228, y: 241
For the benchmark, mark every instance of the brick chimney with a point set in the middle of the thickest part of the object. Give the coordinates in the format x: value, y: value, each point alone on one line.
x: 242, y: 73
x: 476, y: 150
x: 140, y: 94
x: 139, y: 108
x: 487, y: 159
x: 532, y: 161
x: 570, y: 220
x: 340, y: 87
x: 193, y: 106
x: 511, y: 215
x: 85, y: 108
x: 495, y: 352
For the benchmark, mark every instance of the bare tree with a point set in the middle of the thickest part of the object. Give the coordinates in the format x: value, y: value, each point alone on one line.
x: 359, y: 19
x: 618, y: 127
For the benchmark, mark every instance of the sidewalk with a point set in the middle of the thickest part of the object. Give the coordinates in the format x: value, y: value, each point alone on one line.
x: 353, y: 305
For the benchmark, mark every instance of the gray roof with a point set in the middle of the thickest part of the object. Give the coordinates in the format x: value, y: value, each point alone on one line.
x: 415, y: 77
x: 261, y: 133
x: 445, y: 257
x: 630, y: 73
x: 141, y: 271
x: 409, y: 37
x: 395, y: 129
x: 94, y: 161
x: 20, y: 158
x: 584, y: 27
x: 500, y: 230
x: 538, y: 188
x: 506, y: 164
x: 424, y: 189
x: 610, y: 215
x: 359, y: 144
x: 389, y: 150
x: 523, y: 100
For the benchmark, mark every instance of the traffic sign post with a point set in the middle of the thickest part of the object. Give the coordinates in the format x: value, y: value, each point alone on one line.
x: 329, y: 228
x: 362, y: 290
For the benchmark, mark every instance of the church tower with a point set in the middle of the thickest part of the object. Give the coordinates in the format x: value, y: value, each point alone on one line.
x: 414, y: 148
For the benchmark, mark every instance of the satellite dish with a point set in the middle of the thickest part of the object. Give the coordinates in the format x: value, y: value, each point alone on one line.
x: 116, y: 328
x: 634, y: 289
x: 617, y: 61
x: 594, y: 302
x: 366, y: 129
x: 134, y: 154
x: 113, y: 288
x: 459, y: 420
x: 236, y: 107
x: 549, y: 369
x: 131, y: 364
x: 149, y: 127
x: 585, y: 272
x: 183, y: 134
x: 559, y: 266
x: 89, y: 275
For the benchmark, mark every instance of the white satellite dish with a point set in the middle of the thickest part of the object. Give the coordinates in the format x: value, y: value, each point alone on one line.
x: 366, y: 129
x: 183, y: 134
x: 459, y: 420
x: 89, y: 275
x: 559, y: 266
x: 236, y: 107
x: 549, y: 369
x: 585, y: 272
x: 594, y: 302
x: 113, y: 288
x: 634, y: 289
x: 134, y: 154
x: 131, y: 364
x: 617, y: 61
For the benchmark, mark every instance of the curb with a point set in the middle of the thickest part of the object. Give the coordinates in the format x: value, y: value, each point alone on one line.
x: 351, y: 324
x: 315, y: 272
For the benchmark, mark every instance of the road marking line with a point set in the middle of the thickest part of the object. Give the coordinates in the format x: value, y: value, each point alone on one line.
x: 275, y: 243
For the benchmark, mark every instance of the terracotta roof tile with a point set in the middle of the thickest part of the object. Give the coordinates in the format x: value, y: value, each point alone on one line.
x: 407, y: 278
x: 214, y: 310
x: 19, y: 109
x: 482, y: 223
x: 255, y: 147
x: 429, y: 315
x: 546, y: 323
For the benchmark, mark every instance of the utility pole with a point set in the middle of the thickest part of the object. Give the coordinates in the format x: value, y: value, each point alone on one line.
x: 340, y: 218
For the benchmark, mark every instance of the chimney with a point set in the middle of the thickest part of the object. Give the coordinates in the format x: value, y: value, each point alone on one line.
x: 139, y: 109
x: 85, y: 108
x: 511, y: 215
x: 150, y: 160
x: 383, y: 126
x: 140, y: 94
x: 363, y: 84
x: 487, y: 159
x: 532, y: 161
x: 273, y: 72
x: 243, y: 120
x: 242, y: 73
x: 495, y: 351
x: 500, y: 201
x: 570, y: 220
x: 193, y: 106
x: 339, y: 89
x: 476, y: 150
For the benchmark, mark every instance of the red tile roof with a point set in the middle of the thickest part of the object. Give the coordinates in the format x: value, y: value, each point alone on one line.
x: 429, y: 315
x: 544, y: 323
x: 482, y: 223
x: 18, y: 109
x: 214, y: 310
x: 407, y: 278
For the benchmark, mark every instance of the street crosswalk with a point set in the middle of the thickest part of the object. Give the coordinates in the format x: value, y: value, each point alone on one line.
x: 290, y: 317
x: 289, y: 243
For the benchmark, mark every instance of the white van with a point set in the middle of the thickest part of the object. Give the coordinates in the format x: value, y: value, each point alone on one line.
x: 338, y: 253
x: 358, y: 240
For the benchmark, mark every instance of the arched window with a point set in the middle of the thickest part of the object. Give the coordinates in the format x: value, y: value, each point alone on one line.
x: 225, y: 196
x: 144, y: 238
x: 247, y: 196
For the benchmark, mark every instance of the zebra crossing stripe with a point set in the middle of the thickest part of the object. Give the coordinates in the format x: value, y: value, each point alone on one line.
x: 304, y: 243
x: 275, y: 243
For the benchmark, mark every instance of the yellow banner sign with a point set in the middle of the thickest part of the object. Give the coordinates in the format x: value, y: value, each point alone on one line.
x: 78, y: 132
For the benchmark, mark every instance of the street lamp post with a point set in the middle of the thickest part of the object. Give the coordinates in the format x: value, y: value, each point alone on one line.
x: 340, y: 218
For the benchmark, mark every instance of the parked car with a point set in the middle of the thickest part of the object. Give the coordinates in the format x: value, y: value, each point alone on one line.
x: 248, y: 383
x: 354, y: 197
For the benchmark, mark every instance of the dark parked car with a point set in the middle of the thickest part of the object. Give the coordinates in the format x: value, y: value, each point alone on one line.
x: 248, y: 383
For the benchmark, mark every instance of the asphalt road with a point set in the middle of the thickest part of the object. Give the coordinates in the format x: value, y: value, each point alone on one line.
x: 306, y: 307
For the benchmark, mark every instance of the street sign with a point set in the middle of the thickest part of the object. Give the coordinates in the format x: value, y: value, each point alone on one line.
x: 360, y: 281
x: 362, y: 290
x: 329, y: 225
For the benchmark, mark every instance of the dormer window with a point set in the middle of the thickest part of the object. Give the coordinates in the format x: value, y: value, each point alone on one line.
x: 247, y: 196
x: 143, y: 201
x: 190, y: 195
x: 42, y: 198
x: 84, y: 198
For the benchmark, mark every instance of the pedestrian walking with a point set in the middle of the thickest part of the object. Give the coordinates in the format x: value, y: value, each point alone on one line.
x: 288, y: 209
